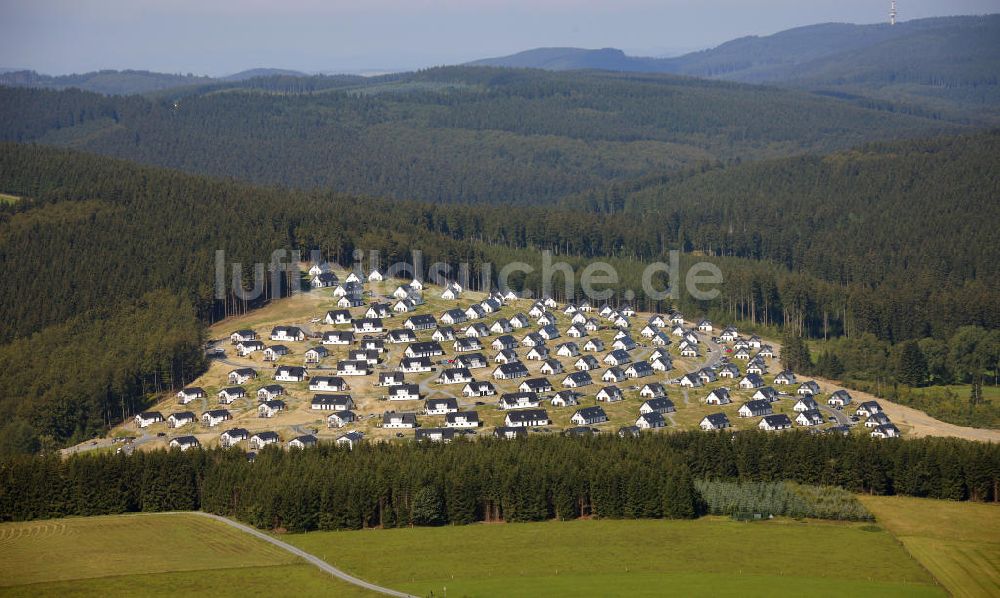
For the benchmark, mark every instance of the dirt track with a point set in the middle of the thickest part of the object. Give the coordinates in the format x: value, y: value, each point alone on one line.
x: 917, y: 423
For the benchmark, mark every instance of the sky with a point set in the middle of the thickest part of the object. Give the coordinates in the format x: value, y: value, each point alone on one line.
x: 219, y: 37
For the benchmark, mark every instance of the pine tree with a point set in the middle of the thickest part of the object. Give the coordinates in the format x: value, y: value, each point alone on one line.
x: 428, y: 506
x: 911, y: 366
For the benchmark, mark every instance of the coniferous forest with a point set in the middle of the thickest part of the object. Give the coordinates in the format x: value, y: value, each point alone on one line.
x: 855, y: 225
x: 535, y: 479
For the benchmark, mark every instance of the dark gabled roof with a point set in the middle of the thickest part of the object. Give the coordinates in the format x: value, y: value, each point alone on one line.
x: 757, y: 404
x: 536, y: 383
x: 266, y: 435
x: 778, y: 419
x: 660, y: 403
x: 652, y: 417
x: 468, y: 415
x: 449, y: 402
x: 504, y: 430
x: 512, y: 367
x: 236, y: 433
x: 185, y: 440
x: 528, y: 415
x: 425, y: 346
x: 341, y: 399
x: 183, y: 415
x: 409, y: 418
x: 305, y: 439
x: 216, y: 413
x: 620, y: 355
x: 512, y: 397
x: 405, y: 389
x: 717, y: 419
x: 591, y: 412
x: 234, y: 390
x: 294, y: 370
x: 422, y: 319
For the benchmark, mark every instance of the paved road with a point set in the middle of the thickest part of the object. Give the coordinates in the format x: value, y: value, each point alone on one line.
x: 325, y: 566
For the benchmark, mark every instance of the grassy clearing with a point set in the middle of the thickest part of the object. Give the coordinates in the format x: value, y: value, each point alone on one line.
x: 147, y: 555
x: 600, y: 558
x: 276, y: 580
x: 7, y: 198
x: 959, y: 542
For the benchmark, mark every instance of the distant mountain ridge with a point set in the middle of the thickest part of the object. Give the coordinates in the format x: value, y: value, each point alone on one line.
x: 748, y: 59
x: 113, y: 82
x: 947, y: 66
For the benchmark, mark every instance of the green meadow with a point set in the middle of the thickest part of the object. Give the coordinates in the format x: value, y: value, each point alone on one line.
x: 712, y: 555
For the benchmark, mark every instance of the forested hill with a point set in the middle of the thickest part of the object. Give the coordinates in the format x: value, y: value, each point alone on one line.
x: 123, y: 255
x: 109, y: 82
x: 454, y: 134
x: 917, y: 216
x: 948, y: 66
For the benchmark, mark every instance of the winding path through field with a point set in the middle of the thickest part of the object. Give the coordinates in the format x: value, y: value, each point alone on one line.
x: 327, y: 567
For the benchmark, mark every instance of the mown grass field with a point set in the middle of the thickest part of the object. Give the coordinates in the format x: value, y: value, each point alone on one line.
x: 958, y: 542
x: 711, y: 555
x: 149, y: 555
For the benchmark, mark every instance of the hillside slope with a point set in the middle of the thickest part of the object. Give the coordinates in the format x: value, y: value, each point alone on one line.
x: 948, y: 66
x: 453, y: 134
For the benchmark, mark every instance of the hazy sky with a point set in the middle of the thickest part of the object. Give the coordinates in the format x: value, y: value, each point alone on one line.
x: 217, y: 37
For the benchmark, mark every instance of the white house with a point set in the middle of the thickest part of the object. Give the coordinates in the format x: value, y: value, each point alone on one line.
x: 176, y: 420
x: 778, y: 421
x: 462, y: 419
x: 518, y: 400
x: 577, y: 380
x: 649, y: 421
x: 751, y: 381
x: 215, y: 417
x: 810, y: 417
x: 270, y: 408
x: 187, y: 395
x: 184, y: 442
x: 719, y: 396
x: 526, y: 418
x: 325, y: 402
x: 350, y: 439
x: 610, y: 394
x: 589, y: 416
x: 315, y: 354
x: 290, y: 373
x: 229, y: 394
x: 479, y: 389
x: 339, y: 419
x: 653, y: 390
x: 510, y: 371
x: 808, y: 388
x: 404, y: 392
x: 714, y: 421
x: 287, y: 333
x: 327, y: 383
x: 565, y: 398
x: 755, y: 408
x: 440, y: 406
x: 233, y: 437
x: 613, y: 374
x: 262, y: 439
x: 658, y: 405
x: 393, y: 420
